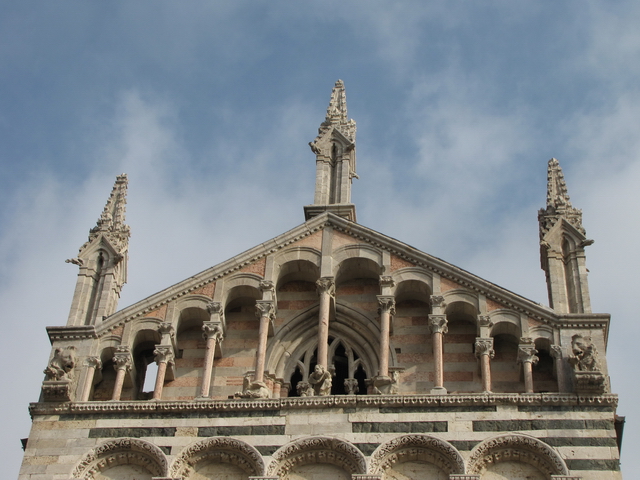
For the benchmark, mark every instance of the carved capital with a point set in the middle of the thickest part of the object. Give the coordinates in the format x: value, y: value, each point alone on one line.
x: 437, y: 301
x: 438, y: 323
x: 265, y: 308
x: 215, y: 308
x: 387, y: 304
x: 485, y: 321
x: 527, y: 351
x: 93, y: 362
x: 166, y: 328
x: 122, y: 359
x: 212, y: 330
x: 484, y: 346
x: 267, y: 286
x: 387, y: 281
x: 326, y: 285
x: 163, y: 354
x: 556, y: 352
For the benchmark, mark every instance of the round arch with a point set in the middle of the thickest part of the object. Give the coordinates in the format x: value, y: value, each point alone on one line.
x: 517, y: 448
x: 120, y: 452
x: 422, y: 448
x: 217, y: 450
x: 314, y: 450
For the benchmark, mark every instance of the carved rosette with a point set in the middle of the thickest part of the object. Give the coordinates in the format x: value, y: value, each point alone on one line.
x: 516, y: 447
x: 387, y: 304
x: 484, y: 346
x: 438, y: 323
x: 422, y: 448
x: 163, y: 354
x: 326, y: 285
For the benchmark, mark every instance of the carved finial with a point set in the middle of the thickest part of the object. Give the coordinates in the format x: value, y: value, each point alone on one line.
x: 557, y: 195
x: 558, y: 202
x: 337, y: 109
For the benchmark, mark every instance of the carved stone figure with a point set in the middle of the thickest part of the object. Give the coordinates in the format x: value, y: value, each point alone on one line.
x: 321, y: 381
x: 351, y: 386
x: 304, y: 389
x: 61, y: 365
x: 584, y: 356
x: 252, y: 389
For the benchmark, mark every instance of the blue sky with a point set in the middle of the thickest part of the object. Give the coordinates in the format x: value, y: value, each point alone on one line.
x: 209, y: 106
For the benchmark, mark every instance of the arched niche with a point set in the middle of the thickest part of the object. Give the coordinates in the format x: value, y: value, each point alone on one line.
x: 544, y: 371
x: 296, y: 288
x: 302, y: 264
x: 461, y: 372
x: 430, y: 457
x: 415, y: 274
x: 358, y: 267
x: 303, y: 455
x: 505, y: 371
x: 142, y: 350
x: 513, y: 450
x: 237, y: 459
x: 123, y: 458
x: 104, y: 378
x: 293, y: 346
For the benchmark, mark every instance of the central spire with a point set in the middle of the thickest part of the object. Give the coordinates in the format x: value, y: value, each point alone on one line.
x: 335, y: 149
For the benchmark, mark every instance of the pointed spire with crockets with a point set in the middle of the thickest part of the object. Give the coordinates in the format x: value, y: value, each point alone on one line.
x: 335, y: 150
x: 562, y: 242
x: 103, y: 262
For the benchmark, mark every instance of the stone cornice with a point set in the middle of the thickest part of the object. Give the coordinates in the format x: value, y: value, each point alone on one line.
x: 332, y: 401
x: 71, y: 333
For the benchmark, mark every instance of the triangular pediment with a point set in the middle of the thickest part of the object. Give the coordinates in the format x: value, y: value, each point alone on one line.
x: 308, y: 236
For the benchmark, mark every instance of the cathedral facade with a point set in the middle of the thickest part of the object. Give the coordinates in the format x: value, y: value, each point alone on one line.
x: 329, y: 352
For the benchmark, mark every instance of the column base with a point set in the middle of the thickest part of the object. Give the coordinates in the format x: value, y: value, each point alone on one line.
x: 438, y: 391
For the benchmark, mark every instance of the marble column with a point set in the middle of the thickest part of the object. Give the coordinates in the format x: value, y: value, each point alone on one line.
x: 212, y: 333
x: 164, y: 357
x: 438, y: 326
x: 265, y: 311
x: 387, y: 309
x: 527, y: 356
x: 122, y: 363
x: 91, y: 363
x: 557, y: 354
x: 485, y: 352
x: 326, y: 290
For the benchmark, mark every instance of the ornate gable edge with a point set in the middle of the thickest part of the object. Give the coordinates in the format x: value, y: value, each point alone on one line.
x: 509, y: 299
x: 212, y: 274
x: 429, y: 262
